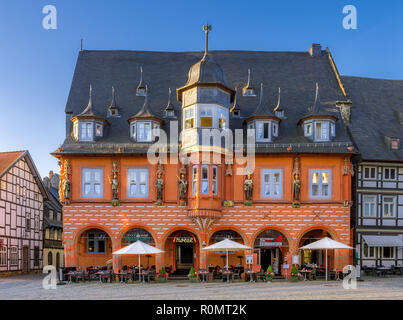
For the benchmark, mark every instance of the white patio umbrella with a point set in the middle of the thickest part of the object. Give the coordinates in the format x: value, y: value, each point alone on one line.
x: 325, y: 244
x: 138, y: 248
x: 227, y: 245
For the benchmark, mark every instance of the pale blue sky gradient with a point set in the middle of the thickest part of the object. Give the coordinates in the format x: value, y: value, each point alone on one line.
x: 37, y: 65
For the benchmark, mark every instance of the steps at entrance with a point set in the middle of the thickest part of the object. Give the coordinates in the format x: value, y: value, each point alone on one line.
x: 179, y: 274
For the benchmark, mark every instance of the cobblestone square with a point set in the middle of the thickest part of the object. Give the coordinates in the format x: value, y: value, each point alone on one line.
x: 30, y: 288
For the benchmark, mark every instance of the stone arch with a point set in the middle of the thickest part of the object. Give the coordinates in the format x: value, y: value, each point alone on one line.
x: 179, y: 228
x: 124, y: 230
x: 227, y: 227
x: 328, y: 229
x: 79, y: 232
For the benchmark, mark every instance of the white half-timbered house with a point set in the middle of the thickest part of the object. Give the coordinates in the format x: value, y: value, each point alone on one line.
x: 22, y: 195
x: 377, y: 129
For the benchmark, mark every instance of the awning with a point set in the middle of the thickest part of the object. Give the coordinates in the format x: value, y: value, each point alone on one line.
x: 383, y: 241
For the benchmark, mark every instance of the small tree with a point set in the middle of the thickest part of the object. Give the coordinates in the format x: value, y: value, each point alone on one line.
x: 269, y: 273
x: 162, y: 272
x: 294, y: 273
x: 192, y: 273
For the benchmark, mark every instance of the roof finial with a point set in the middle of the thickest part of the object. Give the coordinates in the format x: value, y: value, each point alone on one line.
x: 317, y: 98
x: 278, y: 102
x: 207, y: 28
x: 90, y: 101
x: 81, y: 49
x: 261, y: 93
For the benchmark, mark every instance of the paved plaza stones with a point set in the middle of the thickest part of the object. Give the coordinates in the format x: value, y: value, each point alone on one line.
x: 30, y: 288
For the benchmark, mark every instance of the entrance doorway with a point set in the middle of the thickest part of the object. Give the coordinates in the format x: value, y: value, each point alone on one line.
x: 25, y: 258
x: 184, y: 251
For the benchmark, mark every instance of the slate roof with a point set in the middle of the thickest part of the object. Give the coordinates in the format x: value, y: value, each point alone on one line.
x: 296, y: 73
x: 374, y: 115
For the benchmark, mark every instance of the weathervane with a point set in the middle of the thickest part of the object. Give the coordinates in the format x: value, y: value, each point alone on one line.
x: 206, y: 29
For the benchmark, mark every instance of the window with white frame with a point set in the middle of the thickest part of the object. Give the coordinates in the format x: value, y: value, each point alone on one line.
x: 321, y: 130
x: 320, y: 184
x: 332, y: 129
x: 206, y: 117
x: 204, y: 179
x: 96, y: 242
x: 3, y: 256
x: 86, y: 131
x: 389, y: 173
x: 214, y: 179
x: 369, y: 173
x: 389, y: 206
x: 262, y: 131
x: 369, y: 206
x: 189, y: 118
x: 137, y: 186
x: 272, y: 183
x: 388, y: 252
x: 92, y: 183
x: 98, y: 129
x: 194, y: 180
x: 275, y: 129
x: 308, y: 129
x: 14, y: 256
x: 143, y: 131
x: 222, y: 119
x: 368, y: 252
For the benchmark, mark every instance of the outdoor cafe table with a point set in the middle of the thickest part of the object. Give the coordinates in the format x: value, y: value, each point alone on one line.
x: 203, y: 274
x: 305, y: 272
x: 104, y: 274
x: 228, y: 273
x: 251, y: 274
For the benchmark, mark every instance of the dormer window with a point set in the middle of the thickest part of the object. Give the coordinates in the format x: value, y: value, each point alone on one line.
x: 248, y: 92
x: 236, y: 113
x: 141, y: 131
x: 86, y: 131
x: 279, y: 113
x: 113, y: 113
x: 394, y: 144
x: 98, y: 129
x: 275, y: 129
x: 169, y: 113
x: 319, y: 130
x: 262, y: 131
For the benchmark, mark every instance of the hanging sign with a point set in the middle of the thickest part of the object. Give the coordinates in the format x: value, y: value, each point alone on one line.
x: 295, y: 259
x: 249, y: 258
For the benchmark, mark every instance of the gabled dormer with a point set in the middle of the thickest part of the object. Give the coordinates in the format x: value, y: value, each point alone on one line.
x: 319, y: 124
x: 263, y: 121
x: 248, y: 90
x: 144, y: 122
x: 169, y: 111
x: 113, y: 110
x: 141, y: 88
x: 89, y: 125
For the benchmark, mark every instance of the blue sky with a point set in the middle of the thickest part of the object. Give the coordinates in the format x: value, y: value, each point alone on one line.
x: 37, y: 65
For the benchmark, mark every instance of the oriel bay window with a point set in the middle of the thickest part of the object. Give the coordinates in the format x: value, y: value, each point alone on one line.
x: 320, y: 184
x: 189, y: 118
x: 194, y: 180
x: 262, y: 131
x: 204, y: 179
x: 206, y: 117
x: 137, y: 186
x: 86, y: 131
x: 272, y: 183
x: 92, y: 183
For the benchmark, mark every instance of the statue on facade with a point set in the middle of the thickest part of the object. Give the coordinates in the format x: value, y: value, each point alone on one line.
x: 66, y: 187
x: 183, y: 187
x: 115, y: 183
x: 296, y: 187
x: 248, y: 188
x: 159, y: 185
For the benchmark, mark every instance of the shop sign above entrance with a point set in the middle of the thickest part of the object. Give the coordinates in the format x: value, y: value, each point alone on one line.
x: 270, y: 242
x: 184, y: 240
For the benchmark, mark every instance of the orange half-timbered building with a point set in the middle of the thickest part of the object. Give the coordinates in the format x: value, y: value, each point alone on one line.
x: 297, y: 191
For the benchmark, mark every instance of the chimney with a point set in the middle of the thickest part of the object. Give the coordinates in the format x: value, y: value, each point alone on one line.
x: 345, y: 110
x: 315, y: 50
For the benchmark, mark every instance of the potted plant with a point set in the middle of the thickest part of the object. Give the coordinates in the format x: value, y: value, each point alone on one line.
x: 162, y: 275
x: 192, y: 275
x: 269, y: 274
x: 294, y: 274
